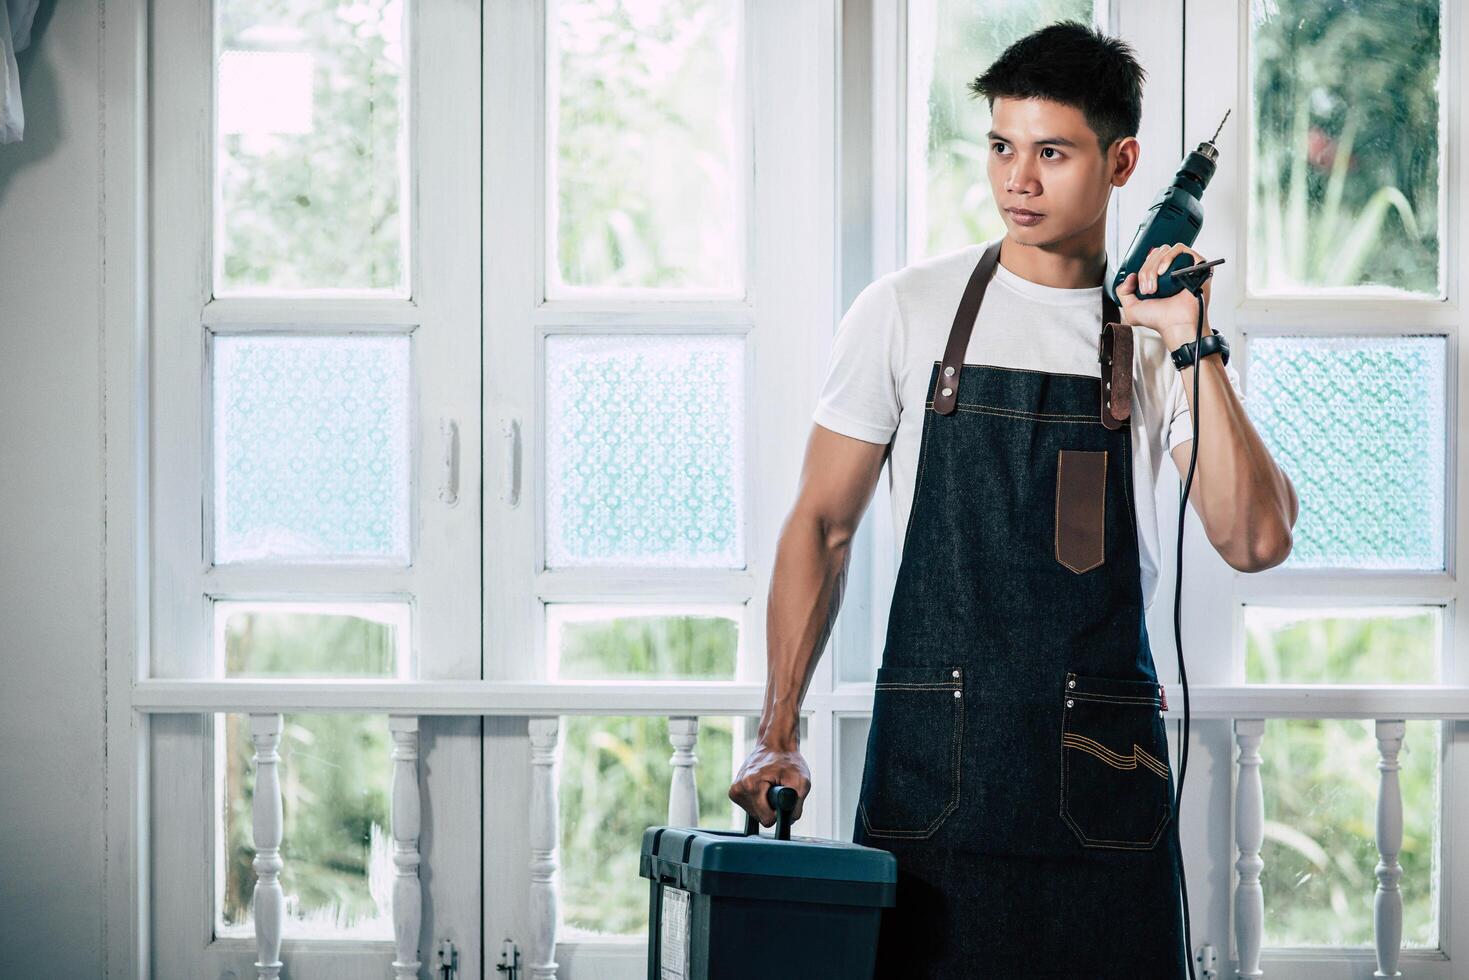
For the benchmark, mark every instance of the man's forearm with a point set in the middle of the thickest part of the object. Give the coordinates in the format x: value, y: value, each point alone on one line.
x: 1245, y: 500
x: 806, y: 588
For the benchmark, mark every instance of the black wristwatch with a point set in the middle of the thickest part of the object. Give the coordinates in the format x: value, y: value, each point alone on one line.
x: 1184, y: 356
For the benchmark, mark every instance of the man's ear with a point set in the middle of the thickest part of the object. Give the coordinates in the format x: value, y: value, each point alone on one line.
x: 1124, y: 155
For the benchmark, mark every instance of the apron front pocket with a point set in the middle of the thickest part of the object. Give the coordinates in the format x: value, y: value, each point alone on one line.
x: 915, y: 749
x: 1115, y: 780
x: 1081, y: 507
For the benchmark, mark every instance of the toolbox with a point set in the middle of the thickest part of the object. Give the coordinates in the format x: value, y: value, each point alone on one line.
x: 724, y: 904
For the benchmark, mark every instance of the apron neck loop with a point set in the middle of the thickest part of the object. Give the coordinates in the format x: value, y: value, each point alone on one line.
x: 1114, y: 347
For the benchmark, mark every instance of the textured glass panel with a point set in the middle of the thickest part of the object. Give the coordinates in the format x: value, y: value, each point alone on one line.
x: 1371, y: 645
x: 311, y: 639
x: 660, y: 643
x: 311, y: 448
x: 614, y: 784
x: 1320, y: 780
x: 949, y: 43
x: 336, y: 780
x: 1346, y: 159
x: 645, y: 453
x: 310, y: 162
x: 1358, y: 424
x: 647, y: 108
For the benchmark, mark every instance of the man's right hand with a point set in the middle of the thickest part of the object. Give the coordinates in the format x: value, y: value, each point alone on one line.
x: 766, y: 766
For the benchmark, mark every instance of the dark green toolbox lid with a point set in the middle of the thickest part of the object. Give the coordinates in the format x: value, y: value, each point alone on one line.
x: 803, y: 869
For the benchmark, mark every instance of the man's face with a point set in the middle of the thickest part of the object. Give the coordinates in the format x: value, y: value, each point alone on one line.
x: 1068, y: 182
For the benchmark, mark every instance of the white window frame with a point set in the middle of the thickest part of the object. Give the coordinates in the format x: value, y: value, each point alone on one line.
x: 1216, y: 78
x: 438, y: 314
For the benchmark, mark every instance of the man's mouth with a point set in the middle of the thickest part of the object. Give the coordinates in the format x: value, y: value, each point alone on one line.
x: 1023, y: 212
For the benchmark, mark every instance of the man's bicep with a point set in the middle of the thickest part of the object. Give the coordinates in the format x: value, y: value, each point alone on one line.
x: 838, y: 478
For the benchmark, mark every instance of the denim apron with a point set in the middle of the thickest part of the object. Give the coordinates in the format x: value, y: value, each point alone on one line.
x: 1017, y: 763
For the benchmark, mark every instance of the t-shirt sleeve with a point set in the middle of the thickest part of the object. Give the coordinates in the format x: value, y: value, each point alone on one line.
x: 1181, y: 422
x: 860, y: 397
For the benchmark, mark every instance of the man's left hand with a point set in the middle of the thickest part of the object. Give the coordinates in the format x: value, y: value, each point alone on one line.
x: 1174, y: 317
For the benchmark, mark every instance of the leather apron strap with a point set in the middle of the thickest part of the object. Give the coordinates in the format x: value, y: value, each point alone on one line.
x: 1114, y: 348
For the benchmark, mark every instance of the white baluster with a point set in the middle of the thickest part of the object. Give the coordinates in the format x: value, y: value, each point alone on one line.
x: 1249, y: 835
x: 1387, y: 906
x: 545, y: 829
x: 407, y: 821
x: 683, y: 794
x: 268, y: 902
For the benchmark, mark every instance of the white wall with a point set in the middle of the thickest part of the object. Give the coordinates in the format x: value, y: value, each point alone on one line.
x: 52, y: 798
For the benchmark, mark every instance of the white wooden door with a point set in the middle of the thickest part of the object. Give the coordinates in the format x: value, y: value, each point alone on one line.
x: 660, y: 287
x: 314, y: 434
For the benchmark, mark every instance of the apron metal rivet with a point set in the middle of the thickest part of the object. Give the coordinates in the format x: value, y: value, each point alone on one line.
x: 948, y: 372
x: 1071, y: 683
x: 956, y: 694
x: 956, y: 673
x: 948, y: 391
x: 1069, y: 702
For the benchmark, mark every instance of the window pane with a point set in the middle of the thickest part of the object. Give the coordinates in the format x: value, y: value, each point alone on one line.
x: 950, y: 42
x: 336, y: 780
x: 1358, y: 424
x: 1382, y: 645
x: 1320, y: 784
x: 646, y: 111
x: 311, y: 639
x: 660, y: 643
x: 1346, y: 155
x: 309, y: 158
x: 645, y: 450
x: 311, y: 448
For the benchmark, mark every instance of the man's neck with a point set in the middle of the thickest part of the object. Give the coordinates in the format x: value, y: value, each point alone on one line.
x: 1070, y: 265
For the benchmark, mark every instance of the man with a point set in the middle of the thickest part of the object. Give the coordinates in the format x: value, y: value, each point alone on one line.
x: 1017, y: 762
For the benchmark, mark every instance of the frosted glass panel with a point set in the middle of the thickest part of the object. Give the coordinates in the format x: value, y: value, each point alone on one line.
x: 646, y: 112
x: 949, y: 43
x: 1346, y: 161
x: 645, y: 450
x: 311, y: 448
x: 310, y: 168
x: 336, y: 780
x: 1358, y: 425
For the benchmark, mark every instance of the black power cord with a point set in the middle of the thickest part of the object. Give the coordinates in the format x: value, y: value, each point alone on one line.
x: 1193, y: 281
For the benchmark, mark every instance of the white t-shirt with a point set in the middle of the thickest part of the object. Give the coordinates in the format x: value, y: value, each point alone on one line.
x: 883, y: 354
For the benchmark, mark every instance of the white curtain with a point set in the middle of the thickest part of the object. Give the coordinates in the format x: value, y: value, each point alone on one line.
x: 15, y: 35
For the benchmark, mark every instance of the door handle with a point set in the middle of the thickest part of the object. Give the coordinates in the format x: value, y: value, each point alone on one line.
x: 510, y: 437
x: 449, y: 481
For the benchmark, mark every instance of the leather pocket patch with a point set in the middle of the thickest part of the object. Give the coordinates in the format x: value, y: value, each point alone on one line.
x: 1081, y: 507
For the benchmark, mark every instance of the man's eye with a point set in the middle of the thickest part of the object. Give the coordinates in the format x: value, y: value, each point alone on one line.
x: 1048, y: 149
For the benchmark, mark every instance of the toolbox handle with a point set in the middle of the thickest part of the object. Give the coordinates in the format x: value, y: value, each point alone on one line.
x: 782, y: 800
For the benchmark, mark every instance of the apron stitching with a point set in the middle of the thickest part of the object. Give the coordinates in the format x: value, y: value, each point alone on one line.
x: 956, y: 755
x: 1118, y: 698
x: 1113, y: 845
x: 1002, y: 367
x: 1025, y: 412
x: 1019, y: 415
x: 918, y: 480
x: 1126, y: 475
x: 1115, y: 759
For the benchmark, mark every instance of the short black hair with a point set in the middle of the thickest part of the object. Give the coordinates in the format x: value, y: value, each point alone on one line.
x: 1074, y: 64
